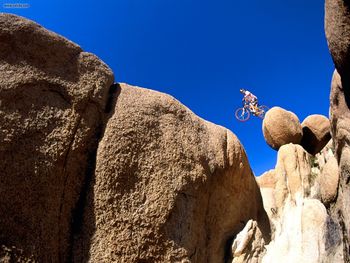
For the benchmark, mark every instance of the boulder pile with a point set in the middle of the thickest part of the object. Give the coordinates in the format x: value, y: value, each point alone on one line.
x: 281, y: 127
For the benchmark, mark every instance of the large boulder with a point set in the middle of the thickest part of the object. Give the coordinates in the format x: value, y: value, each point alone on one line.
x: 340, y: 128
x: 169, y: 186
x: 316, y: 133
x: 337, y: 27
x: 281, y: 127
x: 52, y: 95
x: 293, y: 174
x: 302, y: 230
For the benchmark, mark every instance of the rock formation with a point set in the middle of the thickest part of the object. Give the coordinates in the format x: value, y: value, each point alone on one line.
x: 325, y: 164
x: 99, y: 172
x: 316, y: 133
x: 52, y: 95
x: 249, y: 244
x: 281, y: 127
x: 169, y: 187
x: 337, y: 26
x: 295, y: 196
x: 110, y: 173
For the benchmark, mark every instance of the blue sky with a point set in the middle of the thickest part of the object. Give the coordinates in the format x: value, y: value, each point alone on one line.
x: 202, y: 52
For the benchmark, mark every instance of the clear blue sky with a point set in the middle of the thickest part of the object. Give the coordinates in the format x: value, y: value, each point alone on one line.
x: 202, y: 52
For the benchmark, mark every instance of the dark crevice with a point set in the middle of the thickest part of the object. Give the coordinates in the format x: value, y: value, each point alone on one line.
x: 65, y: 175
x: 345, y: 81
x: 113, y: 93
x: 194, y: 253
x: 79, y: 210
x: 345, y: 237
x: 228, y: 249
x: 347, y: 180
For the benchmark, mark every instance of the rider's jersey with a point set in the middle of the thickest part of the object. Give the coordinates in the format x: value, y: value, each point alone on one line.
x: 249, y: 97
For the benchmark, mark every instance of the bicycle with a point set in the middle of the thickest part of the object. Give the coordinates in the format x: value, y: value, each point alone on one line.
x: 243, y: 113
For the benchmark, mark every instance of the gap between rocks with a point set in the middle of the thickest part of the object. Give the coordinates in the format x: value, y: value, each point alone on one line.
x: 78, y: 211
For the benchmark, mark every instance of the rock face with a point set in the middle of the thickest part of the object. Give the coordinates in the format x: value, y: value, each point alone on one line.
x: 249, y: 244
x: 281, y: 127
x: 302, y: 229
x: 95, y: 172
x: 327, y: 167
x: 169, y: 186
x: 51, y: 98
x: 267, y: 184
x: 316, y: 133
x: 340, y: 120
x: 337, y: 25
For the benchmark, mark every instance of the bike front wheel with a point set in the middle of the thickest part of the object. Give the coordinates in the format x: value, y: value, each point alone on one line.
x: 242, y: 114
x: 262, y: 111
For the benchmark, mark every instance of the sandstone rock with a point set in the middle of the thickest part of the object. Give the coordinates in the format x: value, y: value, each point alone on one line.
x: 301, y: 229
x: 300, y: 233
x: 325, y: 166
x: 243, y: 238
x: 328, y: 181
x: 337, y: 27
x: 281, y: 127
x: 51, y: 98
x: 267, y: 184
x: 316, y: 133
x: 340, y: 129
x: 293, y: 170
x: 12, y: 254
x: 267, y: 179
x: 169, y: 186
x: 248, y: 245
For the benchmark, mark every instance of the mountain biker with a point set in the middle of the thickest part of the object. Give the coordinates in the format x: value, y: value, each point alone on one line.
x: 250, y: 99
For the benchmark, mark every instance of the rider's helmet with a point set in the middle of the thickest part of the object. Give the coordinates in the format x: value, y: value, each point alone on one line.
x: 242, y: 91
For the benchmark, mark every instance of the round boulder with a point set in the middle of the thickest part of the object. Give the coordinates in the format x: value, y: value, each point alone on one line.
x: 316, y: 133
x: 328, y: 181
x: 281, y: 127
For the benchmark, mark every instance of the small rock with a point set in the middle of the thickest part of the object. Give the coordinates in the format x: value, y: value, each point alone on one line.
x: 242, y: 239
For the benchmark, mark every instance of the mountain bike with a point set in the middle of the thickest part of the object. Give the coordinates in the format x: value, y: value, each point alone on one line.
x: 243, y: 113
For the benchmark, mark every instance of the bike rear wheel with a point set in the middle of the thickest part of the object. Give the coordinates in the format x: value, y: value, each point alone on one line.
x: 242, y: 114
x: 262, y: 111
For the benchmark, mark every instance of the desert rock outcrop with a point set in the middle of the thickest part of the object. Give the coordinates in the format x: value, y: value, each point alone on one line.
x: 326, y: 166
x: 51, y: 98
x: 316, y: 133
x: 302, y: 229
x: 169, y: 186
x: 337, y: 25
x: 98, y: 172
x: 249, y: 244
x: 340, y: 123
x: 281, y: 127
